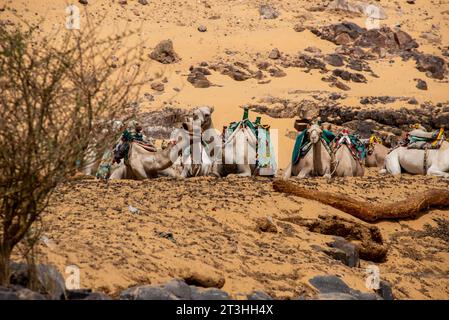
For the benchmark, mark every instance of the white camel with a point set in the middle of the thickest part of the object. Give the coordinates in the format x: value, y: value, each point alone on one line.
x: 317, y: 161
x: 433, y: 162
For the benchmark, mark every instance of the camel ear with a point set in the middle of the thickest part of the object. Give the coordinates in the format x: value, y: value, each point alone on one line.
x: 211, y: 109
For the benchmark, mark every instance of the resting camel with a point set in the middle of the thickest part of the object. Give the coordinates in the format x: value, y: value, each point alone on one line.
x: 433, y: 162
x: 376, y: 152
x: 143, y: 164
x: 316, y: 162
x: 345, y: 163
x: 238, y: 154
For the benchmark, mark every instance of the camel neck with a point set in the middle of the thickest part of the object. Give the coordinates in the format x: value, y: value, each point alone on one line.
x: 317, y: 165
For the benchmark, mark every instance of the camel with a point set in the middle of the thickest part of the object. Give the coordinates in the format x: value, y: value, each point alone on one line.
x: 376, y: 155
x: 143, y: 164
x: 345, y: 163
x: 196, y: 159
x: 238, y: 154
x: 316, y: 162
x: 433, y: 162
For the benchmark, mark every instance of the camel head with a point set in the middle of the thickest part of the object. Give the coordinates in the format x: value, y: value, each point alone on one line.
x: 201, y: 116
x: 314, y: 131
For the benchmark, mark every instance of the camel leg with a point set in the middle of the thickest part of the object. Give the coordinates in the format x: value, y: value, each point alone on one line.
x: 392, y: 164
x: 304, y: 173
x: 119, y: 173
x: 243, y: 170
x: 432, y: 171
x: 288, y: 172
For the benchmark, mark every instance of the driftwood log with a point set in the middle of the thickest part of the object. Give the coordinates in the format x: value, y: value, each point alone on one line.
x: 409, y: 208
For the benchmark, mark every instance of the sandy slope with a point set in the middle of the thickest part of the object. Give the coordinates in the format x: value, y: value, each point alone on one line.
x: 213, y: 222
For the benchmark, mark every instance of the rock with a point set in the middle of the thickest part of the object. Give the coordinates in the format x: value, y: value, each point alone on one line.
x: 266, y: 224
x: 344, y: 251
x: 334, y: 296
x: 308, y: 62
x: 179, y: 288
x: 268, y: 12
x: 8, y: 294
x: 143, y: 2
x: 27, y: 294
x: 149, y: 96
x: 202, y: 275
x: 385, y: 290
x: 198, y: 79
x: 343, y: 39
x: 421, y: 84
x: 164, y: 53
x: 97, y: 296
x: 334, y: 59
x: 78, y: 294
x: 435, y: 67
x: 299, y: 28
x: 343, y: 74
x: 274, y: 54
x: 314, y: 50
x: 411, y: 1
x: 431, y: 37
x: 146, y: 293
x: 276, y: 72
x: 123, y: 2
x: 84, y: 2
x: 358, y: 77
x: 330, y: 284
x: 405, y: 41
x: 370, y: 10
x: 412, y: 101
x: 50, y: 282
x: 341, y: 85
x: 209, y: 294
x: 158, y: 86
x: 202, y: 28
x: 258, y: 295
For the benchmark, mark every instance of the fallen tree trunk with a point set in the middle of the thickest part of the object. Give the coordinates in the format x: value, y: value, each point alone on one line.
x: 366, y: 211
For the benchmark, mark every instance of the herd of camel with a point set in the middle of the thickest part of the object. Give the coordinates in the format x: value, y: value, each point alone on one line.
x: 320, y: 160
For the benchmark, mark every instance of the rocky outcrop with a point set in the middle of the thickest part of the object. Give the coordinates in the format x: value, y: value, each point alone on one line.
x: 164, y: 53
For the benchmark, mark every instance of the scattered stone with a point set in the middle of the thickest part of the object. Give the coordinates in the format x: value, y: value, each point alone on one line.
x: 203, y: 276
x: 123, y: 2
x: 268, y: 12
x: 202, y: 28
x: 147, y: 293
x: 50, y: 282
x: 84, y: 2
x: 209, y: 294
x: 340, y: 85
x: 344, y: 251
x: 197, y: 77
x: 299, y: 28
x: 308, y: 62
x: 266, y: 224
x: 149, y: 97
x: 158, y: 86
x: 164, y: 53
x: 411, y: 1
x: 412, y: 101
x: 421, y: 84
x: 274, y: 54
x: 433, y: 66
x: 385, y: 290
x: 276, y: 72
x: 314, y: 50
x: 143, y: 2
x: 330, y: 284
x: 258, y: 295
x: 334, y: 59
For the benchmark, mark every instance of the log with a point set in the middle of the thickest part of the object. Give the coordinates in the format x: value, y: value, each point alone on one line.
x: 409, y: 208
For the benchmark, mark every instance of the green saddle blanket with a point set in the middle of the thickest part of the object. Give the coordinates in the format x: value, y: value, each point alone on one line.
x: 303, y: 144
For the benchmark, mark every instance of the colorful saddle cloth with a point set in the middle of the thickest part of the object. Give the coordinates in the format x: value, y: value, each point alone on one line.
x: 418, y: 139
x: 353, y: 142
x: 265, y: 154
x: 303, y: 144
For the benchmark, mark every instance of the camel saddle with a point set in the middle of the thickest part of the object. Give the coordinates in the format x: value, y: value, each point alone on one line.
x: 420, y: 139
